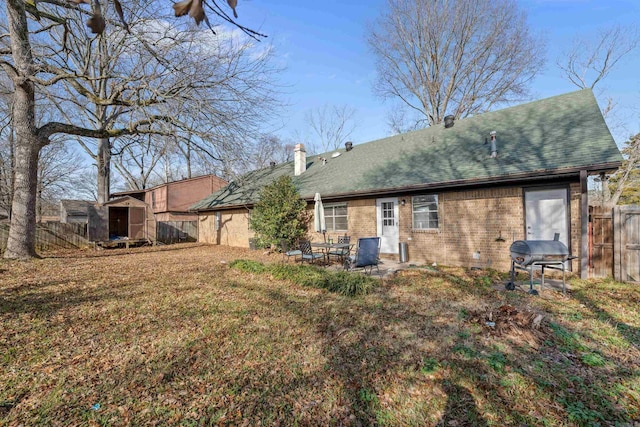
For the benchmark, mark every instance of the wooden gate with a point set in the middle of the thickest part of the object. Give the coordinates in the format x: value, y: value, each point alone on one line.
x: 600, y: 241
x: 626, y: 257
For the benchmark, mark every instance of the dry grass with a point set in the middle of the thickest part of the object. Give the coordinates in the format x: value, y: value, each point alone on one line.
x: 173, y: 336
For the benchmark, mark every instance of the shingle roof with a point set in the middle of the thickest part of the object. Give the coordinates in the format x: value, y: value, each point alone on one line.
x: 76, y: 207
x: 556, y: 135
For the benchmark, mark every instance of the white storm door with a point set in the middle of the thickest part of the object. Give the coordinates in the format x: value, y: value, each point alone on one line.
x: 546, y: 214
x: 387, y: 218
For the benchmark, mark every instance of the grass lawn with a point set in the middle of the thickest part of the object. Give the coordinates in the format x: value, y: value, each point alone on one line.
x: 174, y: 336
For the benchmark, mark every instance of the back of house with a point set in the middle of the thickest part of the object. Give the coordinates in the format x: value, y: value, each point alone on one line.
x: 456, y: 194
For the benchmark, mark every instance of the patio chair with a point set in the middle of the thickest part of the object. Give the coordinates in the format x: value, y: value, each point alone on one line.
x: 366, y: 256
x: 341, y: 253
x: 288, y: 251
x: 307, y: 252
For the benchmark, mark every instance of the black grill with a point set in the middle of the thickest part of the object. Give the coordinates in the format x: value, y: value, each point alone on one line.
x: 525, y: 252
x: 528, y: 254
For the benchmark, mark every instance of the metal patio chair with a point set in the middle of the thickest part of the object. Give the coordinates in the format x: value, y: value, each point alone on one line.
x: 341, y: 253
x: 307, y: 252
x: 366, y: 257
x: 288, y: 251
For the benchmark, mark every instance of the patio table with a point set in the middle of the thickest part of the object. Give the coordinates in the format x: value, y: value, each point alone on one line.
x: 326, y: 247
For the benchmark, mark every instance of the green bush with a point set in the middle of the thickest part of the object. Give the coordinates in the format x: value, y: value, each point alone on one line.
x: 342, y: 282
x: 280, y: 214
x: 248, y: 265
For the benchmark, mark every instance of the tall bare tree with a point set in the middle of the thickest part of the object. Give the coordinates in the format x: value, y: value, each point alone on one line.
x: 626, y: 174
x: 442, y: 57
x: 29, y: 73
x: 333, y: 125
x: 198, y: 84
x: 137, y: 161
x: 588, y: 61
x: 7, y: 153
x: 59, y: 169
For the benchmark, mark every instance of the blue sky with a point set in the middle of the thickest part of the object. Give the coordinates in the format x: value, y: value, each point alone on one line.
x: 322, y: 44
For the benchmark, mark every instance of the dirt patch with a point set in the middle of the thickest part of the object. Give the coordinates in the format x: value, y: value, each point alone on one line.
x: 510, y: 322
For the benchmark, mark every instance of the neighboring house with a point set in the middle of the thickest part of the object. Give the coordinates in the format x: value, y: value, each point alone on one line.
x: 136, y: 216
x: 171, y: 201
x: 457, y: 195
x: 75, y: 211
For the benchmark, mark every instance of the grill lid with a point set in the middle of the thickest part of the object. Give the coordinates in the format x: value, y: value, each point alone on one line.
x: 539, y: 247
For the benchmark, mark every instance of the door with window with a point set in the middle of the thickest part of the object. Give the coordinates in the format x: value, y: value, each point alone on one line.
x: 387, y: 218
x: 546, y: 213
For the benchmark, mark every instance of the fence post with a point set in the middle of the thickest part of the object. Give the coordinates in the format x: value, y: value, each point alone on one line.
x: 617, y: 244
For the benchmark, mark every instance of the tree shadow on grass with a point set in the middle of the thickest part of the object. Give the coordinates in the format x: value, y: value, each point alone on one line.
x: 361, y: 350
x: 630, y: 333
x: 371, y: 348
x: 49, y: 297
x: 460, y: 401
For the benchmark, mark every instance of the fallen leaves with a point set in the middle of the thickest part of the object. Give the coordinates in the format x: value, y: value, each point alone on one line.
x: 170, y: 336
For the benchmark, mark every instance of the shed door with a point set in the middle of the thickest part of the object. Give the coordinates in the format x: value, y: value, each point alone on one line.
x: 387, y: 213
x: 546, y: 214
x: 136, y: 223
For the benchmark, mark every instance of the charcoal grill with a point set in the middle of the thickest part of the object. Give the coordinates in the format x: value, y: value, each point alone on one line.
x: 527, y: 255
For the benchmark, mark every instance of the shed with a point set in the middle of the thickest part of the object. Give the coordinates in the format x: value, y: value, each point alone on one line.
x: 75, y: 211
x: 122, y: 221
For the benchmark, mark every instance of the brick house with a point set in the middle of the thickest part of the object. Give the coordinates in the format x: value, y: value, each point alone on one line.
x: 170, y: 201
x: 458, y: 193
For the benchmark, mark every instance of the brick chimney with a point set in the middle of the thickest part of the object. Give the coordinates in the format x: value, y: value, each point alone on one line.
x: 299, y: 159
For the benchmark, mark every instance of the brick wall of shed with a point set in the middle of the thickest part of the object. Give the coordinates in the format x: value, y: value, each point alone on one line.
x: 234, y: 229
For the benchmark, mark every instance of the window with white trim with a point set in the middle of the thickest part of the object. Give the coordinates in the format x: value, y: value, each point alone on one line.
x: 335, y: 217
x: 425, y: 212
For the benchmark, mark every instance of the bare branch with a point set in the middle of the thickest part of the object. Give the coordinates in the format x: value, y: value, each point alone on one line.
x: 588, y: 62
x: 459, y: 58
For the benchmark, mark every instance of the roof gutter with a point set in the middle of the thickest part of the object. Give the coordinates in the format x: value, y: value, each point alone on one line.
x: 509, y: 179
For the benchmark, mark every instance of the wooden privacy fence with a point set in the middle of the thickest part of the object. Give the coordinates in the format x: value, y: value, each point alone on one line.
x: 614, y: 242
x: 176, y: 231
x: 52, y: 236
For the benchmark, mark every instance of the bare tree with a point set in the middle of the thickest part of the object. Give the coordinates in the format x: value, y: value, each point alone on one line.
x: 59, y: 169
x: 588, y: 62
x: 457, y: 58
x: 333, y: 125
x: 626, y: 174
x: 137, y: 160
x: 29, y: 74
x: 7, y: 152
x: 167, y: 77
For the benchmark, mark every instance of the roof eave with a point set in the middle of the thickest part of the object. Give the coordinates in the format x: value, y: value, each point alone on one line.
x: 503, y: 179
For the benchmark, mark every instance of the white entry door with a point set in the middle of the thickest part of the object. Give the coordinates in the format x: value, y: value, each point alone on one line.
x: 387, y: 213
x: 546, y: 214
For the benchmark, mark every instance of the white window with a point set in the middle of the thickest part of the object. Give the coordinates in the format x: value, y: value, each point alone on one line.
x: 335, y: 217
x: 425, y: 212
x: 218, y: 220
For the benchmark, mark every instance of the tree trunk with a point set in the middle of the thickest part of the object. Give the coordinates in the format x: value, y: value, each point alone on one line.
x: 22, y: 232
x: 104, y: 169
